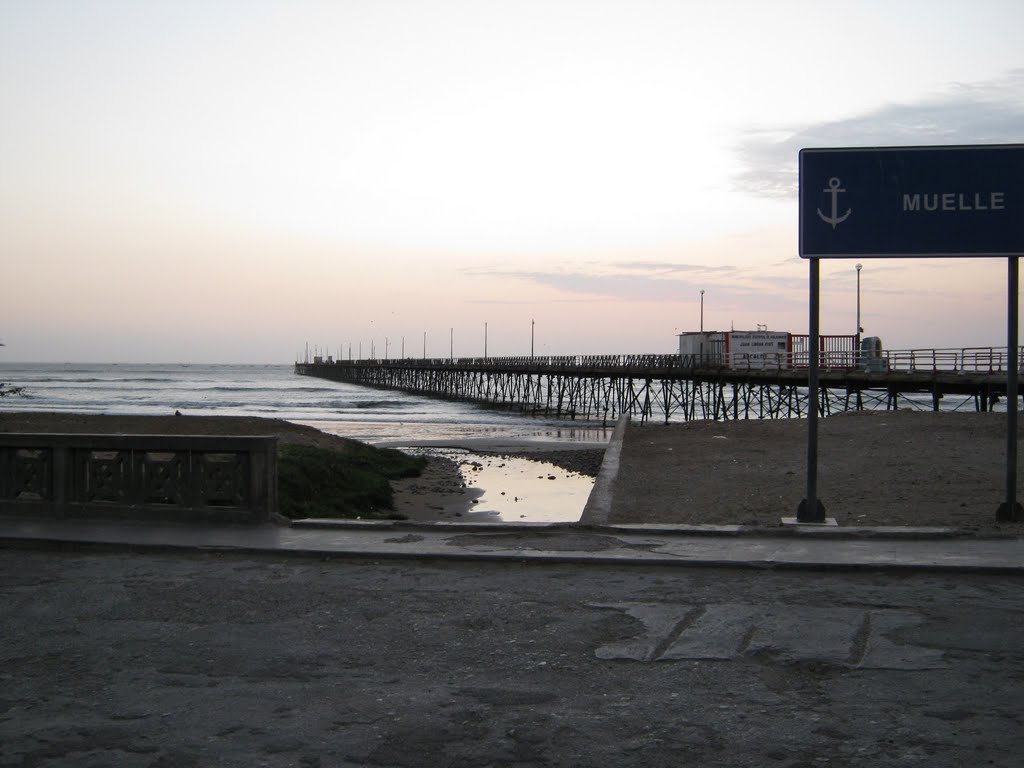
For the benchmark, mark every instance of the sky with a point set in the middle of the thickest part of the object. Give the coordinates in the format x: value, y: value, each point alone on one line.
x: 221, y: 181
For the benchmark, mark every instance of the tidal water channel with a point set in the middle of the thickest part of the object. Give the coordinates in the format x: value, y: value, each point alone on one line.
x: 508, y: 489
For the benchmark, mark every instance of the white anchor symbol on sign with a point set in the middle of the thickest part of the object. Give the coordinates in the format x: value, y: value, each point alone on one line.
x: 834, y: 190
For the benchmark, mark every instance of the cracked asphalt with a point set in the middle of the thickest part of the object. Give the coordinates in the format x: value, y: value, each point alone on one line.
x: 240, y: 659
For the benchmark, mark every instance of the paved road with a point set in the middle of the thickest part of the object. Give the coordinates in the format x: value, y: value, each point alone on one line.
x: 241, y: 659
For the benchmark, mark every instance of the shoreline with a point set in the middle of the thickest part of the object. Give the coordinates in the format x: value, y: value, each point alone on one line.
x: 875, y: 468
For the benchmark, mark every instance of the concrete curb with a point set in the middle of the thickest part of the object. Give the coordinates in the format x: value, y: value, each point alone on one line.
x: 649, y: 529
x: 594, y: 545
x: 599, y: 503
x: 720, y: 559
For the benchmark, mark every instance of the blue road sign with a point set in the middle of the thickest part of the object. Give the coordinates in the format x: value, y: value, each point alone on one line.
x: 889, y: 202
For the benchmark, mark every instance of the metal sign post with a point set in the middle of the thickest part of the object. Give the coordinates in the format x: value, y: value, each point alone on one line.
x: 900, y: 202
x: 812, y: 510
x: 1010, y: 510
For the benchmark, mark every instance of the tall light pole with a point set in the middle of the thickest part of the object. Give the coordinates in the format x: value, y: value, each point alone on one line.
x: 859, y: 329
x: 702, y: 310
x: 532, y: 324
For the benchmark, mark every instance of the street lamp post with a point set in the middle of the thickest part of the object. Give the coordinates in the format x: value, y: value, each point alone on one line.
x: 859, y: 329
x: 702, y: 310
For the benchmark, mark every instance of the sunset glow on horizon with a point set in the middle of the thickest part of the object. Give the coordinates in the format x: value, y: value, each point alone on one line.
x: 227, y: 181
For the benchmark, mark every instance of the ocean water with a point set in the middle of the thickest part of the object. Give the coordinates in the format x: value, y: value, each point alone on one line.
x: 272, y: 391
x: 276, y: 391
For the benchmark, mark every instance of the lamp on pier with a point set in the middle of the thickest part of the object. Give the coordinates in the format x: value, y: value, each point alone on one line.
x: 859, y: 329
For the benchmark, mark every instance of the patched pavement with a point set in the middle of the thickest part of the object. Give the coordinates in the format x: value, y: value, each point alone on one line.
x: 848, y: 637
x: 138, y: 657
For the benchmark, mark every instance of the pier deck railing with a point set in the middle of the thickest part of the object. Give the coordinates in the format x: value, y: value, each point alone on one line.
x: 983, y: 360
x: 966, y: 360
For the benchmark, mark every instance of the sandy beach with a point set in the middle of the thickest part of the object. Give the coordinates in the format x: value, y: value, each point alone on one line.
x: 875, y: 468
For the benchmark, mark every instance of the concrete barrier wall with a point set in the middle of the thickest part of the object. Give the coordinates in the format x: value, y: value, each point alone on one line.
x: 139, y: 477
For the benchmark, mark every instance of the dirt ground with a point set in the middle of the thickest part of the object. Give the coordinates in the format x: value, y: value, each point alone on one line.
x: 875, y: 468
x: 79, y: 423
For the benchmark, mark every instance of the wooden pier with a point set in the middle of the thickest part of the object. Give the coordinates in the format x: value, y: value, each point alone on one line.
x: 678, y: 387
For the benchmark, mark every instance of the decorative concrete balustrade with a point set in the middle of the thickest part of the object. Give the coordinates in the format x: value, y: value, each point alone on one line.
x: 139, y: 477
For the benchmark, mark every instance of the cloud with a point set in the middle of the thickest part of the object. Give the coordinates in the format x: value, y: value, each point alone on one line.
x: 604, y: 286
x: 671, y: 268
x: 991, y: 112
x: 653, y: 270
x: 654, y: 281
x: 731, y: 285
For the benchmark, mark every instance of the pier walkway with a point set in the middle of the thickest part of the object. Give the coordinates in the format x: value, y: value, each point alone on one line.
x: 683, y: 387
